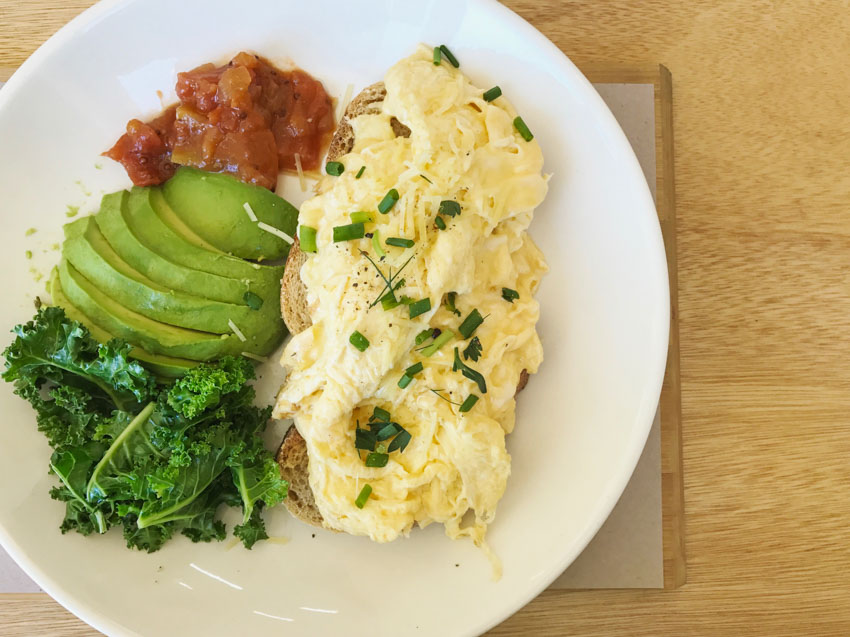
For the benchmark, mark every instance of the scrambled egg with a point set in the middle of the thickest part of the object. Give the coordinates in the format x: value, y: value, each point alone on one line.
x: 455, y: 468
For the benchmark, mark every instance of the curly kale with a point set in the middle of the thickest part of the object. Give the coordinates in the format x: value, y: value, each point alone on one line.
x: 153, y: 460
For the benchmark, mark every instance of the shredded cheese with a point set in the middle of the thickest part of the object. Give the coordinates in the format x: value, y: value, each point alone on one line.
x: 300, y: 172
x: 343, y: 105
x: 276, y: 232
x: 236, y: 330
x: 261, y: 359
x: 250, y: 211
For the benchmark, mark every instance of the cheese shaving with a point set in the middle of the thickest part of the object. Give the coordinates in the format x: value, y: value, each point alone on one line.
x: 250, y: 212
x: 236, y: 330
x: 275, y: 231
x: 302, y: 182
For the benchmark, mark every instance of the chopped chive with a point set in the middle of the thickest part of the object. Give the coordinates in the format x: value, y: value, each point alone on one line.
x: 404, y: 381
x: 361, y: 217
x: 380, y: 414
x: 438, y: 221
x: 28, y: 254
x: 470, y: 323
x: 389, y: 302
x: 426, y: 179
x: 349, y: 232
x: 437, y: 392
x: 419, y: 307
x: 360, y: 172
x: 451, y: 298
x: 510, y: 295
x: 492, y: 94
x: 441, y: 340
x: 252, y: 300
x: 388, y: 431
x: 334, y: 168
x: 437, y: 55
x: 414, y: 369
x: 400, y: 442
x: 365, y: 492
x: 307, y: 239
x: 399, y: 242
x: 469, y: 403
x: 376, y: 243
x: 375, y: 459
x: 364, y: 439
x: 388, y: 201
x: 359, y: 341
x: 449, y: 207
x: 449, y: 56
x: 423, y: 336
x: 523, y: 129
x: 381, y: 448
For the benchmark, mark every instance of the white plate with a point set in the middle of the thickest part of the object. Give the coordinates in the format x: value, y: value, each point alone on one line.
x: 582, y: 421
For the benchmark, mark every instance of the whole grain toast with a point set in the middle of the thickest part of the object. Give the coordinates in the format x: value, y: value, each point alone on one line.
x: 292, y: 454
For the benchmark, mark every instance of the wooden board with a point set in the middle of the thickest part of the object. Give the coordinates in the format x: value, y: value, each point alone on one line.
x: 672, y: 487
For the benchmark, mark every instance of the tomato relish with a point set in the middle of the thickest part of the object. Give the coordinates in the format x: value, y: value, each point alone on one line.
x: 247, y: 118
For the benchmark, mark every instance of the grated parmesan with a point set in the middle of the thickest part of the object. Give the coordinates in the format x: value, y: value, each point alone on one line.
x: 236, y: 330
x: 276, y: 232
x: 300, y: 172
x: 261, y: 359
x: 250, y: 211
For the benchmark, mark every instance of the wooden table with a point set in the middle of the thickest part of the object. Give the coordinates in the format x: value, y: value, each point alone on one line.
x: 762, y: 159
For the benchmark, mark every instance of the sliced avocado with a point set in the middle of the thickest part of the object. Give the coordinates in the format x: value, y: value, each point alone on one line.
x: 213, y: 206
x: 112, y: 225
x: 135, y: 328
x: 90, y: 253
x: 147, y: 224
x: 163, y: 366
x: 173, y: 221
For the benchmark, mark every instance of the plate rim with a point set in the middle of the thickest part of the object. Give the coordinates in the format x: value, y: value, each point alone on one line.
x: 655, y: 368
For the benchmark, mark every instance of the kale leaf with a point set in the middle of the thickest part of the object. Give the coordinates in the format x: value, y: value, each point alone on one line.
x: 154, y: 460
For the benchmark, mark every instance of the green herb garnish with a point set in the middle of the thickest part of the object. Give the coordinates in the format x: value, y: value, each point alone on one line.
x: 348, y: 232
x: 399, y: 242
x: 444, y: 337
x: 360, y: 172
x: 449, y: 207
x: 375, y: 459
x: 473, y: 350
x: 334, y: 168
x: 361, y: 217
x: 469, y: 403
x: 376, y: 243
x: 449, y: 56
x: 364, y: 439
x: 307, y: 239
x: 439, y: 222
x: 359, y: 341
x: 471, y: 374
x: 423, y: 336
x: 419, y: 307
x: 414, y: 369
x: 365, y: 492
x: 400, y: 442
x: 451, y: 297
x: 388, y: 201
x: 522, y: 129
x: 404, y: 381
x: 438, y: 55
x: 470, y: 323
x: 510, y: 295
x: 492, y: 94
x: 380, y: 415
x: 252, y: 300
x: 437, y: 392
x: 426, y: 179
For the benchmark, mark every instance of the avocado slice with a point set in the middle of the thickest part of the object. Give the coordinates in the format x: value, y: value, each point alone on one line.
x: 89, y: 252
x: 135, y: 328
x: 162, y: 366
x: 148, y: 262
x: 144, y: 214
x: 212, y: 205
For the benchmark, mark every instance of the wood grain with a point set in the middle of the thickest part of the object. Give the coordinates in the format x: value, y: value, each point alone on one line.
x: 762, y: 196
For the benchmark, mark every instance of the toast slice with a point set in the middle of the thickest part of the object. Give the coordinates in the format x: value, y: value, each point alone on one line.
x: 292, y: 454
